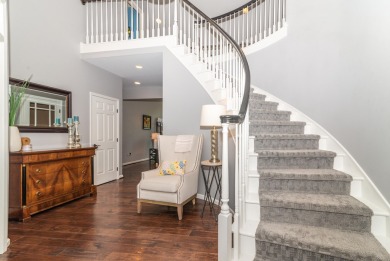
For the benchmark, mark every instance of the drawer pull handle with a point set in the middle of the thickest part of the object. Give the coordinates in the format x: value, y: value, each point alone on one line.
x: 83, y: 172
x: 38, y: 194
x: 38, y: 170
x: 83, y: 163
x: 83, y: 181
x: 38, y: 181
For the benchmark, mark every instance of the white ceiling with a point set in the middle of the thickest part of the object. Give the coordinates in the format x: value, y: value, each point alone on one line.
x: 151, y: 74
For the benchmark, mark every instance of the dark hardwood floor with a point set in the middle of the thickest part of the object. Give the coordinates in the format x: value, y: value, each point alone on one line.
x: 107, y: 227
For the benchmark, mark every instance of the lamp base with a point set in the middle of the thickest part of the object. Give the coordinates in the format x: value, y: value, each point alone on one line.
x: 214, y: 146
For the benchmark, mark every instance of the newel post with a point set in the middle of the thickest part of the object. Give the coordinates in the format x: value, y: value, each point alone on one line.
x: 225, y: 217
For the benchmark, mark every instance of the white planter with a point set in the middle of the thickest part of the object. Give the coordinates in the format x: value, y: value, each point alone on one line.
x: 15, y: 142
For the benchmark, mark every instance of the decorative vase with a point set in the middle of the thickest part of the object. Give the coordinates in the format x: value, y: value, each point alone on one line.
x: 15, y: 142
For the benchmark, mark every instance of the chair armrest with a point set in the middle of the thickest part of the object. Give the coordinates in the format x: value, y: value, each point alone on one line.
x: 150, y: 173
x: 189, y: 184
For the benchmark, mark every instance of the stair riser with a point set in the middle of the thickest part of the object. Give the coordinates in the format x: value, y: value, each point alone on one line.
x: 295, y: 162
x: 269, y: 116
x: 316, y: 218
x: 256, y: 98
x: 275, y: 129
x: 288, y: 144
x: 276, y: 252
x: 308, y: 186
x: 267, y: 106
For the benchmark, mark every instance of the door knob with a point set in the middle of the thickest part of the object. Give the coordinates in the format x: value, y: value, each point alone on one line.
x: 96, y: 146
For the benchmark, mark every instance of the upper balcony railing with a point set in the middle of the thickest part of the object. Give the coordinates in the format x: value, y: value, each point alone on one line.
x: 254, y: 21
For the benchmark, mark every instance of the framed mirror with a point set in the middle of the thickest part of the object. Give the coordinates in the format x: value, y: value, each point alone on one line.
x: 43, y: 108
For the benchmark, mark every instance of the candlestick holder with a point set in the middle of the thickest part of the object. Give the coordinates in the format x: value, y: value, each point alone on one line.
x: 71, y: 143
x: 77, y: 135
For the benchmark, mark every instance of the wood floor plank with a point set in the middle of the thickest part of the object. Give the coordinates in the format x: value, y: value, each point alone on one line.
x: 107, y: 227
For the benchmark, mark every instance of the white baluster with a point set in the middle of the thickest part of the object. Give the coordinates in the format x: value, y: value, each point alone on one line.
x: 92, y: 23
x: 147, y: 19
x: 270, y: 17
x: 257, y: 22
x: 136, y: 20
x: 97, y: 22
x: 225, y: 217
x: 106, y: 22
x: 142, y: 24
x: 175, y: 31
x: 284, y: 11
x: 111, y: 31
x: 169, y: 18
x: 87, y: 23
x: 274, y: 23
x: 101, y: 21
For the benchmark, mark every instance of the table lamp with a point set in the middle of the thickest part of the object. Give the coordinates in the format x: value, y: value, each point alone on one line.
x: 154, y: 138
x: 210, y: 118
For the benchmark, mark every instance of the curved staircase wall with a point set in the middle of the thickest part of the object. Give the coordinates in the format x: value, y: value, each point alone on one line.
x: 333, y: 65
x: 183, y: 97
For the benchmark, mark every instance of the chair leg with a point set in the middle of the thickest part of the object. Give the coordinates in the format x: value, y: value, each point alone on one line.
x: 193, y: 201
x: 139, y: 206
x: 180, y: 212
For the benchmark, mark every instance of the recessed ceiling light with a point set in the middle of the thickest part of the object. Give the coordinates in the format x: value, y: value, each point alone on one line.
x: 245, y: 10
x: 139, y: 66
x: 137, y: 83
x: 158, y: 20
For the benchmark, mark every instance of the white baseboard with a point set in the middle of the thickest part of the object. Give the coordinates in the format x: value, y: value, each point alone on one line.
x: 132, y: 162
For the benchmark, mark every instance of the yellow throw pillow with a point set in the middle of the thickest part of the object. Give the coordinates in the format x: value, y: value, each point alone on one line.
x: 173, y: 167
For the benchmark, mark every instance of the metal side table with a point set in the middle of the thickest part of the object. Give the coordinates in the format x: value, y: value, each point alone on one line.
x: 212, y: 172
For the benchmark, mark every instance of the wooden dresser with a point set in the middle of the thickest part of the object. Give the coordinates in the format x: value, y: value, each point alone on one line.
x: 40, y: 180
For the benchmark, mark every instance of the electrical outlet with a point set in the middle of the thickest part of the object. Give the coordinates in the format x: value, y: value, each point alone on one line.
x: 129, y: 154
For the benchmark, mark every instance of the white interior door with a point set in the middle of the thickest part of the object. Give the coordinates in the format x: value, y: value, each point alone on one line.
x: 104, y: 133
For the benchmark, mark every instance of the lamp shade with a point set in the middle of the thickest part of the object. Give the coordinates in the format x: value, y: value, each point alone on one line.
x: 210, y: 115
x: 155, y: 135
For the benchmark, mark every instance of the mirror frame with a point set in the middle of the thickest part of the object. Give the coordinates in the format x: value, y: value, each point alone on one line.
x: 40, y: 87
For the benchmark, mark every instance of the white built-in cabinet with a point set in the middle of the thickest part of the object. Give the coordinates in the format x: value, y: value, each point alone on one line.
x: 4, y: 241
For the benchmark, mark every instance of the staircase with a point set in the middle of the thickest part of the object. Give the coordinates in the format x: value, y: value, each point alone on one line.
x: 306, y: 210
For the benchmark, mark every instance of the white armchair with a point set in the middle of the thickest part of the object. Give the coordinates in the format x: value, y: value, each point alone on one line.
x: 171, y: 190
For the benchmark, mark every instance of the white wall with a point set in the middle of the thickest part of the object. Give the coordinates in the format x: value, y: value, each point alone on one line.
x: 334, y: 66
x: 3, y: 126
x: 136, y: 140
x: 44, y: 39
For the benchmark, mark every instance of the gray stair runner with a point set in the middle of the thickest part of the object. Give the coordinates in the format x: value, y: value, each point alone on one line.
x: 306, y: 210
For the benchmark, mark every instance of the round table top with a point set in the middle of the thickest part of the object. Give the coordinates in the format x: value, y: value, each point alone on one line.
x: 211, y: 164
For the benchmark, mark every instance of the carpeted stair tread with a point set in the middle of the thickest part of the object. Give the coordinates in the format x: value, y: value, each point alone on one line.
x: 269, y: 115
x: 315, y: 202
x: 295, y: 153
x: 333, y: 243
x: 287, y: 136
x: 261, y: 105
x: 256, y: 97
x: 304, y: 174
x: 288, y: 123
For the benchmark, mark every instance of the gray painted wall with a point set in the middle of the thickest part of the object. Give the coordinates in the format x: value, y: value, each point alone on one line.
x: 334, y: 66
x: 136, y: 140
x: 183, y: 98
x: 45, y: 44
x: 142, y: 92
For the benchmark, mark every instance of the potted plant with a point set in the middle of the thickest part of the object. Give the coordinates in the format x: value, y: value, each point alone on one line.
x: 15, y: 101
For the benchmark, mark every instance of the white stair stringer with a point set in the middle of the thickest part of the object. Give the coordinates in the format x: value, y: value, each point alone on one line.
x: 200, y: 72
x: 362, y: 187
